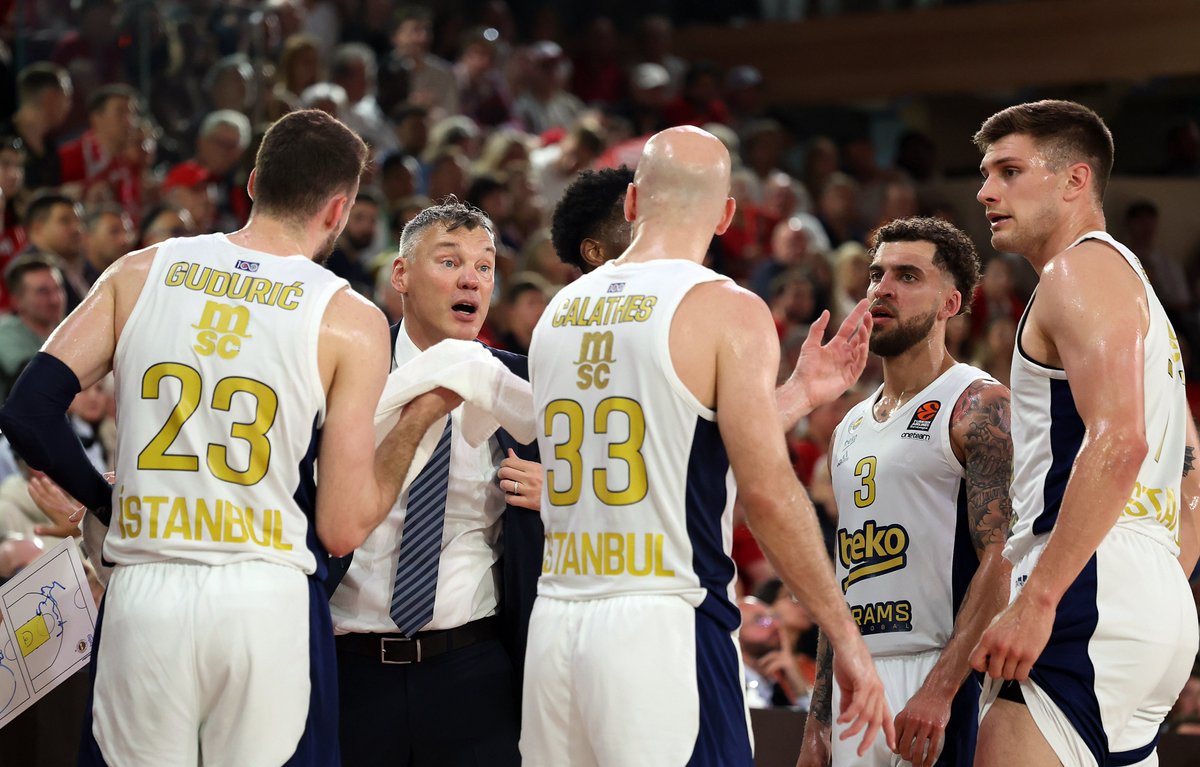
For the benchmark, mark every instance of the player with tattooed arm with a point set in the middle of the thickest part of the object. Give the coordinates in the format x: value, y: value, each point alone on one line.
x: 920, y: 474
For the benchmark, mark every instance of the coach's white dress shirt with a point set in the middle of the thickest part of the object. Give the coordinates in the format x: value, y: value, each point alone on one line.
x: 468, y: 574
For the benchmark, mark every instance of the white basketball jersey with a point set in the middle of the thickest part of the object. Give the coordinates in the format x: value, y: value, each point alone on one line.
x: 904, y: 554
x: 638, y: 492
x: 1047, y: 432
x: 219, y: 402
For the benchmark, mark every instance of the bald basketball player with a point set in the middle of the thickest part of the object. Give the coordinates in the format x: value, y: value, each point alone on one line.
x: 653, y: 382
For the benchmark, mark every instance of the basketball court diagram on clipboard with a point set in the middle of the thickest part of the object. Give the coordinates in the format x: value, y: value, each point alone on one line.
x: 47, y: 625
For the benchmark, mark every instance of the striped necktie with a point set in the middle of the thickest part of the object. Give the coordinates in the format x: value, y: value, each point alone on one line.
x: 421, y: 542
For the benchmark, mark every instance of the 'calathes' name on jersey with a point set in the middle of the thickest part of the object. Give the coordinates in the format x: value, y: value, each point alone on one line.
x: 638, y: 492
x: 219, y: 396
x: 903, y: 555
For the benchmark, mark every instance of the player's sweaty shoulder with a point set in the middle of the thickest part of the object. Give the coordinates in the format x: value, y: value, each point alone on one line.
x: 723, y: 305
x: 351, y: 328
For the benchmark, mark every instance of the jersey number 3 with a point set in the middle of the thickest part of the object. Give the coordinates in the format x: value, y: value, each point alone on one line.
x: 628, y: 451
x: 155, y: 456
x: 865, y: 471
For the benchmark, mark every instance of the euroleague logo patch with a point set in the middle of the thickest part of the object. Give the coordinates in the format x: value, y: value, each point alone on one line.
x: 924, y: 416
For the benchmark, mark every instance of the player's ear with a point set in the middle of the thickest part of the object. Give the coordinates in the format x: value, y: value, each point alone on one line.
x: 727, y: 216
x: 335, y: 209
x: 630, y: 203
x: 953, y: 303
x: 250, y: 182
x: 591, y: 252
x: 1079, y: 181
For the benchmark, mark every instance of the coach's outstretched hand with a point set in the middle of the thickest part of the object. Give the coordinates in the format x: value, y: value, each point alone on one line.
x: 864, y: 704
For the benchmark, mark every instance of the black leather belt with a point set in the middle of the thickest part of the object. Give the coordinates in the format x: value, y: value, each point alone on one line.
x: 399, y: 649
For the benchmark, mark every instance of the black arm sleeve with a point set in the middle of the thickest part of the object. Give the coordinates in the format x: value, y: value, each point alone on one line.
x: 34, y: 419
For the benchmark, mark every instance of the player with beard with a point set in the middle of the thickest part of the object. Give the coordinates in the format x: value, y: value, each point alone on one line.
x: 920, y: 474
x: 239, y: 362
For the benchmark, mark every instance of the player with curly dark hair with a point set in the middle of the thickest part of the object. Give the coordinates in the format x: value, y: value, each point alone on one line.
x: 589, y: 226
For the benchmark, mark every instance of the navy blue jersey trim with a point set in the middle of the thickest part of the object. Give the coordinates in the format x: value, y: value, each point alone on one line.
x: 723, y: 739
x: 1133, y: 756
x: 1064, y: 670
x: 306, y: 499
x: 706, y: 497
x: 318, y: 744
x: 1066, y: 437
x: 962, y: 731
x: 89, y: 748
x: 965, y: 561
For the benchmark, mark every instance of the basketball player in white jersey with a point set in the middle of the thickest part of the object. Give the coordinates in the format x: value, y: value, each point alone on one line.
x: 920, y: 473
x: 239, y: 361
x: 652, y: 378
x: 1101, y: 631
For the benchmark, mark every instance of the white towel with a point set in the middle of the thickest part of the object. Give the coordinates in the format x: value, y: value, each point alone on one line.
x: 493, y: 396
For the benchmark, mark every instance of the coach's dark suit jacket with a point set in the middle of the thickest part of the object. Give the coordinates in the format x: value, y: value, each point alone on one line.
x: 523, y: 544
x: 521, y: 537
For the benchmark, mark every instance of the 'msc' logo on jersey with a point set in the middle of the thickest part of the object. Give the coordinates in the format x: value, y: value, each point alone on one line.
x: 616, y: 287
x: 873, y: 550
x: 246, y: 266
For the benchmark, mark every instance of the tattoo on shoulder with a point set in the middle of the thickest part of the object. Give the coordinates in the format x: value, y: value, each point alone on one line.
x: 822, y: 695
x: 1189, y: 459
x: 982, y: 422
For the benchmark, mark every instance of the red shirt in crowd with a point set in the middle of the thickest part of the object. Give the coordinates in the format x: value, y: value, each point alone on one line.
x: 84, y: 159
x: 12, y: 239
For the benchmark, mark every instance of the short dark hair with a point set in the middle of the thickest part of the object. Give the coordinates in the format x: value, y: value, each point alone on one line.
x: 96, y: 213
x: 411, y: 12
x: 1069, y: 133
x: 481, y: 186
x: 305, y: 158
x: 394, y: 159
x: 407, y: 109
x: 592, y: 207
x: 152, y: 216
x: 366, y: 195
x: 953, y: 253
x: 524, y: 282
x: 14, y: 275
x: 106, y: 93
x: 37, y: 78
x: 42, y: 203
x: 450, y: 214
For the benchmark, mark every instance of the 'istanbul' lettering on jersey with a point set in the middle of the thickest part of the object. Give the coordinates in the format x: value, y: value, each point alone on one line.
x: 217, y: 370
x: 638, y: 492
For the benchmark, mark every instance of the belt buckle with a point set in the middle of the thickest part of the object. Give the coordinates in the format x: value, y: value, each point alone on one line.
x: 383, y: 642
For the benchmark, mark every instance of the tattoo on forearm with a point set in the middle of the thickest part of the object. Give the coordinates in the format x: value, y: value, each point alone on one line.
x: 983, y: 415
x: 822, y: 695
x: 1189, y: 459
